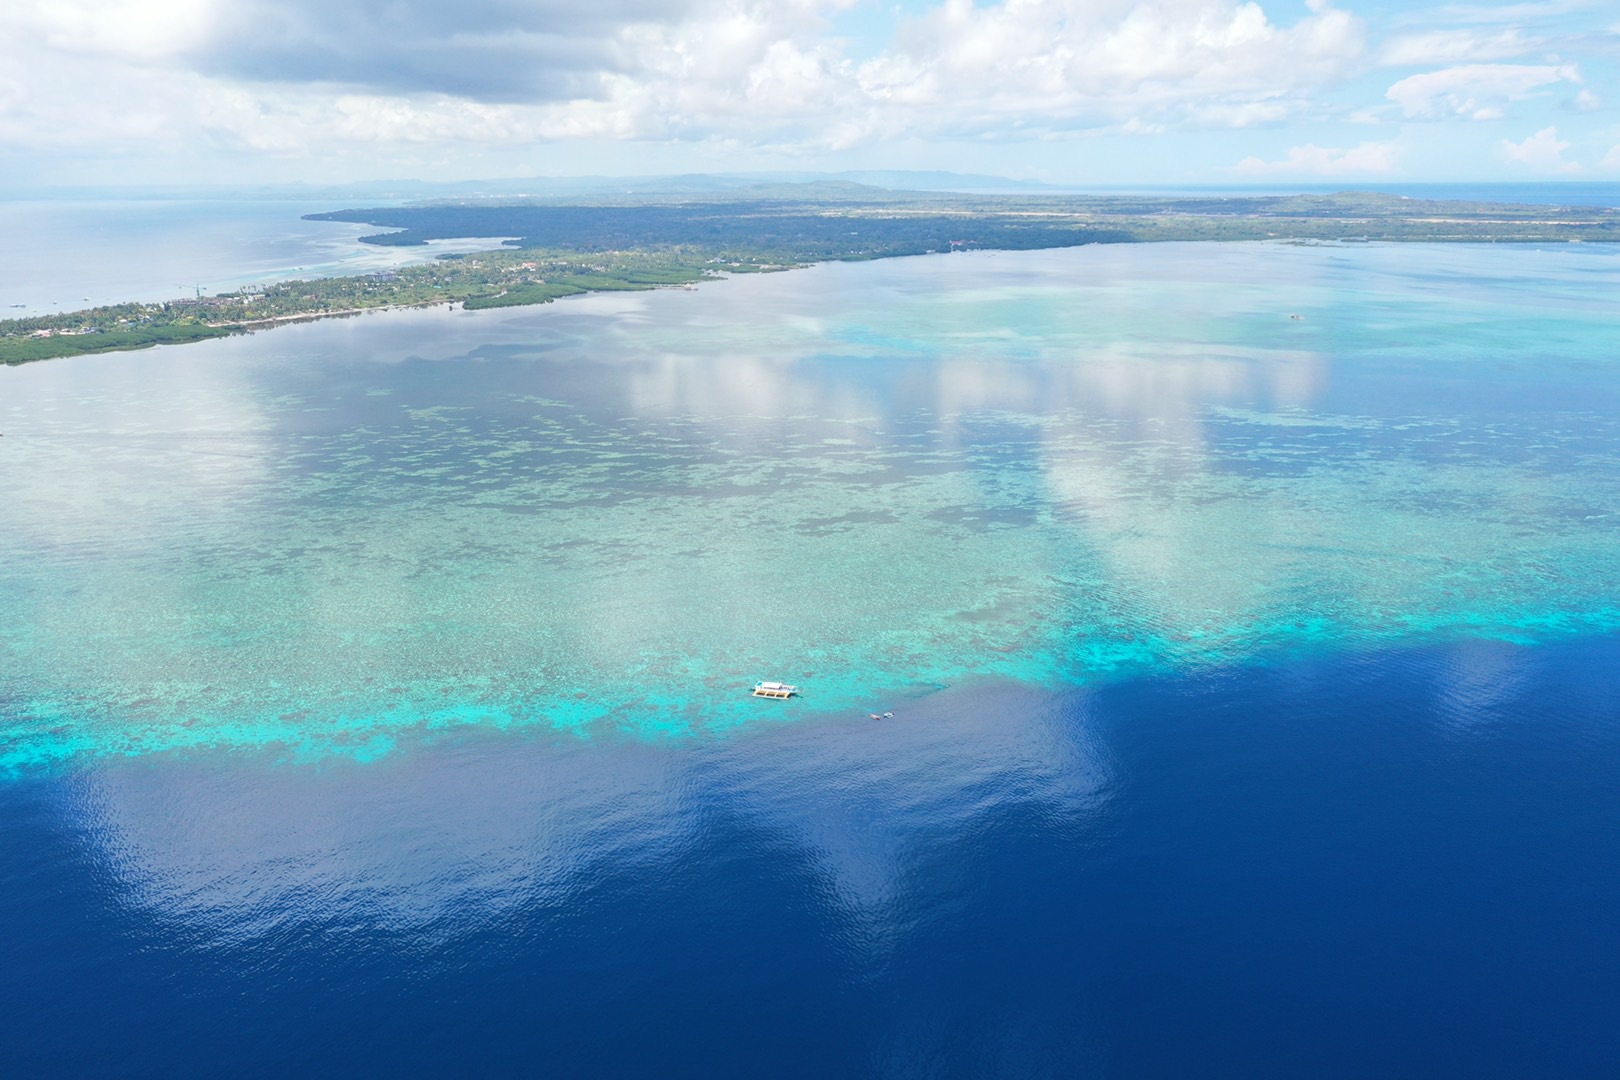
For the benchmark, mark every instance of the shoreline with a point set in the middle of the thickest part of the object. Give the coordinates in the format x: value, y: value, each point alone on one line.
x: 515, y: 277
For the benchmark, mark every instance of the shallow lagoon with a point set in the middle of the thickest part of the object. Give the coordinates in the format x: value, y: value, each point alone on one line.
x: 875, y: 481
x: 374, y: 690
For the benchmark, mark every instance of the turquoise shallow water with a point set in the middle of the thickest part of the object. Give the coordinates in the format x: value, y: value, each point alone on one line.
x: 878, y: 481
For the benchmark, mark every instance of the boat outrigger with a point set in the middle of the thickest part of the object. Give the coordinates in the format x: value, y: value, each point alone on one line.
x: 778, y: 690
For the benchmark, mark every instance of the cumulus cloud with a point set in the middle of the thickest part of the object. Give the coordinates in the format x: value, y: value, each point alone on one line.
x: 131, y: 29
x: 277, y: 72
x: 1310, y: 160
x: 484, y: 50
x: 1543, y: 152
x: 1079, y: 59
x: 1475, y: 91
x: 303, y: 79
x: 1022, y: 67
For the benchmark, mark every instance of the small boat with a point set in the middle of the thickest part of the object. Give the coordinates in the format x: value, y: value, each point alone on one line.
x: 780, y: 691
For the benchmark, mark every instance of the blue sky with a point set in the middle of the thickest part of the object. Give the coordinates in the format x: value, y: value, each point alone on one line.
x: 1071, y: 91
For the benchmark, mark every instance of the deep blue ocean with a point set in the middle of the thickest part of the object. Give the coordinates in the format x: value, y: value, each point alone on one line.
x: 373, y: 692
x: 1348, y: 866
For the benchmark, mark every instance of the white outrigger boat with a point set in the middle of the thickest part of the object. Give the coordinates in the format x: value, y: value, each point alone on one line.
x: 779, y: 690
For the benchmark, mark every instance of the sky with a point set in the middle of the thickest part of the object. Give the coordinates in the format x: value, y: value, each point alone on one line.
x: 118, y: 92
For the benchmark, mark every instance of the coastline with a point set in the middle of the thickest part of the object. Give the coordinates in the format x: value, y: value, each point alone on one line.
x: 559, y: 250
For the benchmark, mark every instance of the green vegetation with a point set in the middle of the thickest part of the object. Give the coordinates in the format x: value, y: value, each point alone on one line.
x: 486, y: 280
x: 19, y: 349
x: 562, y: 285
x: 854, y: 222
x: 569, y: 248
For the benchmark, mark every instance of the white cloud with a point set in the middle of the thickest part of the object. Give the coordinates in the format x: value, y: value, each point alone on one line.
x: 1243, y: 114
x: 132, y: 29
x: 1454, y: 47
x: 1311, y: 160
x: 1475, y: 91
x: 1025, y: 67
x: 310, y: 81
x: 1506, y: 13
x: 486, y: 50
x: 1543, y: 152
x: 298, y: 75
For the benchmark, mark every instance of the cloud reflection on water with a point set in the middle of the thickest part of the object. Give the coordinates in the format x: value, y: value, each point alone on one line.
x: 1054, y: 468
x: 462, y: 834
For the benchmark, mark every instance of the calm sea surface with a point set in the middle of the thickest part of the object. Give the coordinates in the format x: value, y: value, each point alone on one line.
x: 66, y: 256
x: 374, y: 690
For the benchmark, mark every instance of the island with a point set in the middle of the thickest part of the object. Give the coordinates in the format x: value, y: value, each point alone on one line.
x: 563, y: 248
